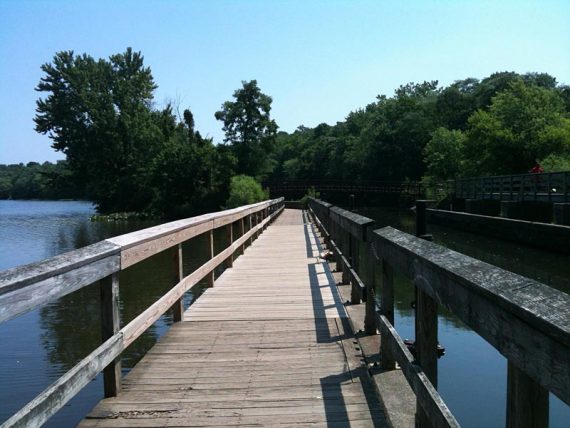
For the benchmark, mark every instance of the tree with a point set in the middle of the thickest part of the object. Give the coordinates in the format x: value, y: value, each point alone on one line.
x: 190, y: 176
x: 456, y: 103
x: 444, y: 154
x: 249, y: 129
x: 245, y: 190
x: 525, y: 122
x: 98, y: 113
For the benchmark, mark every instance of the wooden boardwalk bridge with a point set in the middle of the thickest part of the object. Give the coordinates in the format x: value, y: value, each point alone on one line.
x: 271, y: 341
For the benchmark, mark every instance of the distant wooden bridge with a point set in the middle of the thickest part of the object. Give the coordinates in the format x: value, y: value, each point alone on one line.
x: 547, y: 187
x: 271, y: 342
x: 411, y: 188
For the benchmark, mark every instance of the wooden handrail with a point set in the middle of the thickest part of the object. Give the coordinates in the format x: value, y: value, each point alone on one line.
x: 25, y: 287
x: 551, y: 186
x: 525, y: 320
x: 63, y: 274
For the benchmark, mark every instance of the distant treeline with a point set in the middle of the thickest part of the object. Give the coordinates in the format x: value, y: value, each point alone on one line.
x: 499, y: 125
x: 38, y: 181
x: 126, y: 155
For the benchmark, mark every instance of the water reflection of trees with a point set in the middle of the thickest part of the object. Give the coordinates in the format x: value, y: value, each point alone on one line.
x: 404, y: 295
x: 71, y: 326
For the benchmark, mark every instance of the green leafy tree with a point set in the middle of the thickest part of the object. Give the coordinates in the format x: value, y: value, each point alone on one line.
x: 525, y: 122
x: 98, y: 113
x: 556, y: 162
x: 444, y: 154
x: 456, y: 103
x: 245, y: 190
x: 37, y: 181
x: 249, y: 129
x: 190, y: 175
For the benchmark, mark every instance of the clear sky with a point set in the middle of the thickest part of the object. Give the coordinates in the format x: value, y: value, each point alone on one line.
x: 317, y: 59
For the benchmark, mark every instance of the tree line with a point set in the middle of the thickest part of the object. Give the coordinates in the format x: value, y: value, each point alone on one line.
x: 37, y: 181
x: 125, y: 154
x: 498, y: 125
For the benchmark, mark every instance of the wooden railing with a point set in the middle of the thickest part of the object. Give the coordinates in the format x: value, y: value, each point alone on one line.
x: 26, y: 287
x: 409, y: 187
x: 526, y: 321
x: 554, y: 187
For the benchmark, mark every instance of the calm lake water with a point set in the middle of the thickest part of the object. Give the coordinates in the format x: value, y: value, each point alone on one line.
x: 41, y: 345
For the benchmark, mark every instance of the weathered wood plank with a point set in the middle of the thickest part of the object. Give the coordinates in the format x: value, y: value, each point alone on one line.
x: 135, y: 253
x: 26, y: 287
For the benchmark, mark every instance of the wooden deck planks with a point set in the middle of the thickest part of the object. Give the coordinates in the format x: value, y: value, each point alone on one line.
x: 267, y: 346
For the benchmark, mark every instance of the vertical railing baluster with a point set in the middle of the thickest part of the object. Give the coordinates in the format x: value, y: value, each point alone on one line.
x: 230, y: 241
x: 210, y: 278
x: 250, y: 218
x: 242, y: 232
x: 110, y: 325
x: 387, y: 360
x: 426, y: 324
x: 370, y: 312
x: 527, y: 401
x: 178, y: 306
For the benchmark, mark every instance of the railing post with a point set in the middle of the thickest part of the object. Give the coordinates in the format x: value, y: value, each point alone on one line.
x: 257, y: 221
x: 527, y: 401
x: 511, y: 188
x: 355, y: 294
x: 210, y: 251
x: 426, y: 322
x: 347, y: 256
x: 370, y: 309
x: 110, y: 324
x: 178, y: 307
x: 250, y: 218
x: 421, y: 219
x: 242, y: 232
x: 230, y: 240
x: 426, y: 345
x: 387, y: 309
x: 567, y: 187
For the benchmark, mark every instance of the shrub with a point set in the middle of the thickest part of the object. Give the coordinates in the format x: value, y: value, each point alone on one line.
x: 245, y: 190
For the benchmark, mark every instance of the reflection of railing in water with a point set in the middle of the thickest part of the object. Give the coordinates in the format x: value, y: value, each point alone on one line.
x: 526, y: 321
x: 552, y: 187
x: 26, y: 287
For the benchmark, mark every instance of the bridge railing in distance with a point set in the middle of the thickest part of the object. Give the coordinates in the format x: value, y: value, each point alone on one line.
x: 320, y: 185
x: 552, y: 187
x: 26, y: 287
x: 525, y: 320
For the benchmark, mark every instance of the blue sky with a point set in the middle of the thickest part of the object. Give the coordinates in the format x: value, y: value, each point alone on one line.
x: 317, y: 59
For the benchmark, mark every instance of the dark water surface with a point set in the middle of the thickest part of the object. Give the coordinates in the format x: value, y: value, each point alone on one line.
x: 40, y: 346
x: 472, y: 377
